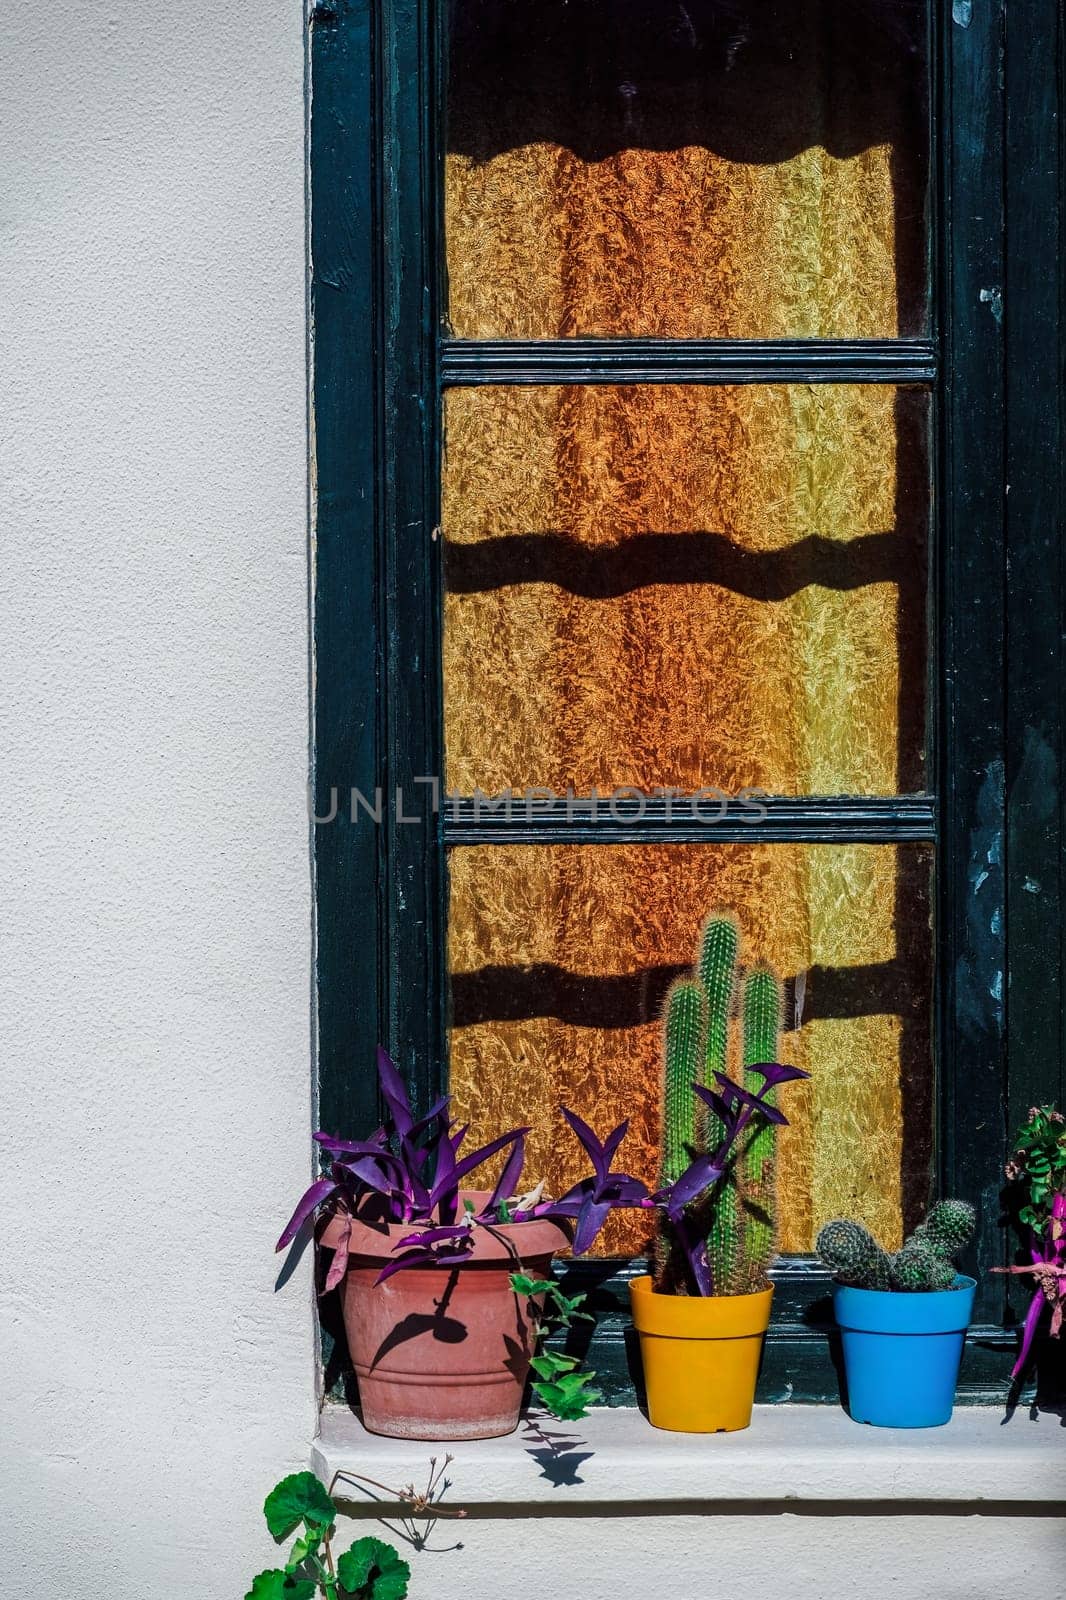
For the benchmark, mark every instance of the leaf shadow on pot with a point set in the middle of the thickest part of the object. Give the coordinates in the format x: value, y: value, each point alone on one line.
x: 442, y: 1328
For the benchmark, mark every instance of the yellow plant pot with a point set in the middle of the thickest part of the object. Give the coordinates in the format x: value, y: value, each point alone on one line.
x: 701, y: 1356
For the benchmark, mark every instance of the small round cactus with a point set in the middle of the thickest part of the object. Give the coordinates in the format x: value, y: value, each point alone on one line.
x: 853, y: 1255
x: 924, y: 1264
x: 948, y: 1228
x: 918, y: 1268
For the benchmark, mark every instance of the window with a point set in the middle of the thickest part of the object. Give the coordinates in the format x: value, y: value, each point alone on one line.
x: 663, y: 429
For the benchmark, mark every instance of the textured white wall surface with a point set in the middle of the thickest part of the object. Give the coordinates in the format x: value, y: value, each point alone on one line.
x: 154, y: 914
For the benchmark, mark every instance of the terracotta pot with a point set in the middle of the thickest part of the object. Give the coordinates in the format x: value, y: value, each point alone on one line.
x: 442, y: 1352
x: 700, y: 1355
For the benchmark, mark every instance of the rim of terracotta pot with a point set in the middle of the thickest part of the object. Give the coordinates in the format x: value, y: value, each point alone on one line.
x: 505, y: 1241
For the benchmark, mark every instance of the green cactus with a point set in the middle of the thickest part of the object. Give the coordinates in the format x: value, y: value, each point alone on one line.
x: 739, y: 1214
x: 948, y: 1228
x: 924, y: 1263
x: 761, y: 1010
x: 685, y: 1025
x: 917, y: 1268
x: 716, y: 970
x: 853, y: 1255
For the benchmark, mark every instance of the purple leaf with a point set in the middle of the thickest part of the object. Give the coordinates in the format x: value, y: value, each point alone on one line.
x: 394, y: 1092
x: 476, y: 1157
x: 718, y: 1105
x: 381, y: 1172
x: 309, y: 1202
x: 410, y: 1258
x: 589, y: 1141
x: 339, y: 1265
x: 434, y: 1114
x: 432, y: 1236
x: 591, y: 1218
x: 613, y: 1140
x: 507, y: 1182
x: 351, y: 1147
x: 455, y: 1136
x: 774, y: 1073
x: 570, y: 1203
x: 704, y: 1171
x: 735, y: 1095
x: 427, y: 1256
x: 621, y: 1190
x: 444, y: 1181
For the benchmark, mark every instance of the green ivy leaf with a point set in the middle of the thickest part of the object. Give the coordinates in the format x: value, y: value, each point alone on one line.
x: 523, y: 1285
x: 372, y: 1570
x: 567, y: 1407
x: 298, y: 1498
x: 572, y: 1382
x: 549, y: 1364
x: 278, y: 1585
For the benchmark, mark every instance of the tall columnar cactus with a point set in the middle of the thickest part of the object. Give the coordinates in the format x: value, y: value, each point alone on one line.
x: 739, y: 1212
x: 685, y: 1030
x: 761, y: 1011
x: 925, y: 1262
x: 716, y: 968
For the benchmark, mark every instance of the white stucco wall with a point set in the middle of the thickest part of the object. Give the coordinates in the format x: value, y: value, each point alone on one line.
x: 154, y: 913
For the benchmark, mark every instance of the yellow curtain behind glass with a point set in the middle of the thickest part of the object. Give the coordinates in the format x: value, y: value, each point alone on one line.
x: 685, y: 585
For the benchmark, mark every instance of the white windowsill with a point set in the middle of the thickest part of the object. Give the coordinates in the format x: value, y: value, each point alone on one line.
x: 790, y: 1452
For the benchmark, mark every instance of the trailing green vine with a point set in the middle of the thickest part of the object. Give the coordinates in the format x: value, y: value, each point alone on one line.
x: 560, y: 1385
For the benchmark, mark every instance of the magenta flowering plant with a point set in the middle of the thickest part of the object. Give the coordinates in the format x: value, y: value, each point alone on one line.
x: 1038, y: 1168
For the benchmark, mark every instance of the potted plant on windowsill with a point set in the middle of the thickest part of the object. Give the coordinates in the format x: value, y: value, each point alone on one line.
x: 1037, y: 1170
x: 902, y: 1317
x: 444, y: 1285
x: 701, y: 1316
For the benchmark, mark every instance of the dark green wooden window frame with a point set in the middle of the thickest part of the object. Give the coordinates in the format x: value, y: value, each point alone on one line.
x: 994, y: 357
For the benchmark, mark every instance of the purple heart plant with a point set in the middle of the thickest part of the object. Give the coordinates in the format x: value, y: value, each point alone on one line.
x: 1038, y: 1169
x: 412, y: 1170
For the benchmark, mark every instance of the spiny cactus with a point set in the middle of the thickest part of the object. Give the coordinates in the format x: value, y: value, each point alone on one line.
x: 685, y: 1025
x: 738, y: 1215
x: 948, y: 1228
x: 925, y: 1262
x: 853, y: 1255
x: 716, y: 968
x: 919, y: 1268
x: 761, y: 1010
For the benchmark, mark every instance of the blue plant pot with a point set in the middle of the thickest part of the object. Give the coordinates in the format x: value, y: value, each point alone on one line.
x: 902, y: 1352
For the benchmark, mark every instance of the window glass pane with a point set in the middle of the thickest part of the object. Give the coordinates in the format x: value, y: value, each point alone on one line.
x: 686, y: 586
x: 712, y: 168
x: 560, y: 957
